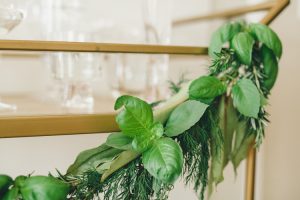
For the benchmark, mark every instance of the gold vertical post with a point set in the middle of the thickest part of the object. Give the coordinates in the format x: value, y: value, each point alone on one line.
x: 251, y: 159
x: 250, y: 174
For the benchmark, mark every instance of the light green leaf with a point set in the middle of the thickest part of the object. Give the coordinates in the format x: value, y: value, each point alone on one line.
x: 136, y: 117
x: 119, y: 141
x: 136, y: 121
x: 184, y: 117
x: 246, y: 98
x: 164, y: 160
x: 240, y: 133
x: 92, y: 158
x: 228, y: 123
x: 241, y: 152
x: 243, y: 43
x: 5, y: 183
x: 124, y: 158
x: 224, y: 34
x: 12, y: 194
x: 267, y: 36
x: 144, y: 141
x: 270, y: 64
x: 206, y: 89
x: 46, y: 188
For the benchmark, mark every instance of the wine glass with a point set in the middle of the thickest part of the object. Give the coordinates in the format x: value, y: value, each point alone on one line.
x: 10, y: 17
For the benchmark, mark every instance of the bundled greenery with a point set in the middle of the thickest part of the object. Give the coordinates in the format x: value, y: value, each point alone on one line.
x: 208, y: 123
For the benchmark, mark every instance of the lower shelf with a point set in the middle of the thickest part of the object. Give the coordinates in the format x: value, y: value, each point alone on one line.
x: 35, y: 117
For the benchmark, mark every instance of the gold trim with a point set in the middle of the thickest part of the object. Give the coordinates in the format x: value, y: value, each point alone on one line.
x: 226, y: 14
x: 275, y: 11
x: 12, y: 127
x: 31, y: 45
x: 250, y: 174
x: 251, y: 158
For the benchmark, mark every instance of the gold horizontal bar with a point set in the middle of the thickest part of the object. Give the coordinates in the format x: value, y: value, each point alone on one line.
x: 32, y: 126
x: 226, y: 14
x: 30, y: 45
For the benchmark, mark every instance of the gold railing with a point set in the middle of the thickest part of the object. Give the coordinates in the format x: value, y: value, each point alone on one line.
x: 103, y: 123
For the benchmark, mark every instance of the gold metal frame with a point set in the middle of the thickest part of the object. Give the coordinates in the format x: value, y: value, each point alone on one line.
x: 101, y: 123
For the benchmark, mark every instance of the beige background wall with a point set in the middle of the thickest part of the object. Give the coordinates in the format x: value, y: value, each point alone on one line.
x: 278, y: 165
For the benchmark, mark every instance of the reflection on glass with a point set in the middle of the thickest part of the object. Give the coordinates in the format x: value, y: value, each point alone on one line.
x: 125, y: 73
x: 158, y: 26
x: 74, y: 74
x: 9, y: 19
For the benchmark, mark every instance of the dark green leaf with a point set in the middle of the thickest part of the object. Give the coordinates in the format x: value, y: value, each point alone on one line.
x: 243, y: 43
x: 12, y: 194
x: 5, y: 183
x: 92, y: 158
x: 119, y: 141
x: 46, y: 188
x: 270, y: 64
x: 224, y: 34
x: 184, y: 117
x: 246, y: 98
x: 136, y: 121
x: 206, y: 88
x: 164, y: 160
x: 267, y: 36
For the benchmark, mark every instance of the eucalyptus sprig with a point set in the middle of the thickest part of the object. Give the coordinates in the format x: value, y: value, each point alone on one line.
x: 209, y: 122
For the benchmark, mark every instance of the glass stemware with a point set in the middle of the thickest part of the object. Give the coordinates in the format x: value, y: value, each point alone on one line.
x: 74, y: 73
x: 10, y: 17
x: 157, y: 15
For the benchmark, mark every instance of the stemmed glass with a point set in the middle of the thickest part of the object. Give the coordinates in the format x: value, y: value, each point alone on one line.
x: 10, y: 17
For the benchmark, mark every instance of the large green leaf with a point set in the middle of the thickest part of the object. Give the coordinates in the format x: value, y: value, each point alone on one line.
x: 5, y: 183
x: 92, y: 158
x: 228, y: 123
x: 243, y: 43
x: 136, y: 121
x: 184, y: 117
x: 143, y: 141
x: 241, y: 152
x: 239, y: 135
x: 164, y: 160
x: 119, y: 141
x: 46, y: 188
x: 12, y: 194
x: 246, y: 98
x: 217, y: 158
x: 206, y: 88
x: 270, y: 64
x: 267, y: 36
x: 136, y: 117
x: 224, y: 34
